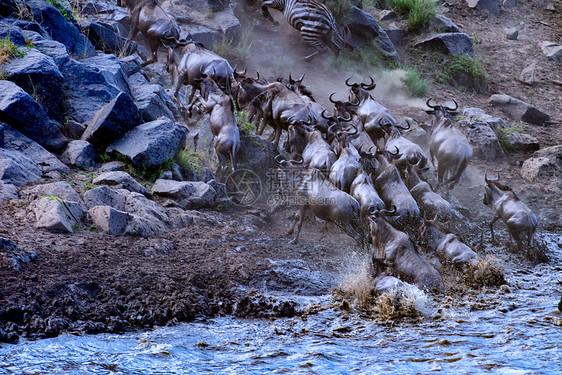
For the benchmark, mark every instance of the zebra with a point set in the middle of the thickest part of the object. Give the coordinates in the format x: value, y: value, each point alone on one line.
x: 314, y: 21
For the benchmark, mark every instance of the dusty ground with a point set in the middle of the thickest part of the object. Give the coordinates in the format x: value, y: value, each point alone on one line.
x: 92, y: 282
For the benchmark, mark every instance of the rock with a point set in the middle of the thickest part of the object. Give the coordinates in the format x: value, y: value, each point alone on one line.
x: 112, y: 69
x: 527, y: 75
x: 131, y: 65
x: 257, y: 154
x: 60, y: 189
x: 26, y: 26
x: 109, y: 219
x: 122, y: 180
x: 14, y: 255
x: 25, y: 114
x: 75, y: 128
x: 8, y: 191
x: 80, y: 154
x: 56, y: 215
x: 60, y: 30
x: 219, y: 187
x: 17, y: 169
x: 553, y: 153
x: 364, y: 27
x: 395, y: 33
x: 151, y: 144
x: 47, y: 163
x: 112, y: 121
x: 173, y: 189
x: 512, y: 33
x: 52, y: 48
x: 203, y: 196
x: 190, y: 194
x: 550, y: 7
x: 483, y: 139
x: 97, y: 7
x: 477, y: 114
x: 536, y: 168
x: 2, y: 141
x: 522, y: 142
x: 419, y: 137
x: 153, y: 102
x: 112, y: 166
x: 508, y: 4
x: 490, y: 6
x: 518, y: 109
x: 456, y: 44
x: 552, y: 50
x: 87, y: 90
x: 387, y: 14
x: 442, y: 24
x: 12, y: 32
x: 148, y: 217
x: 104, y: 196
x: 104, y: 38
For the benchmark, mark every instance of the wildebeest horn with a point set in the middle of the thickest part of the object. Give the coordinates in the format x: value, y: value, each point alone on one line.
x: 355, y: 128
x: 332, y: 100
x: 452, y: 109
x: 354, y: 104
x: 331, y: 127
x: 370, y: 86
x: 340, y: 118
x: 437, y: 106
x: 301, y: 78
x: 395, y: 154
x: 323, y: 114
x: 348, y: 84
x: 389, y: 212
x: 277, y: 158
x: 404, y: 128
x: 299, y: 161
x: 291, y: 79
x: 486, y: 178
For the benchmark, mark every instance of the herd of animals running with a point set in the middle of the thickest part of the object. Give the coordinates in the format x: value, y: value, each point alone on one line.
x: 355, y: 168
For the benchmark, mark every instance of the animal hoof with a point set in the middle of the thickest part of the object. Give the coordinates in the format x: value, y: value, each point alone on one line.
x: 293, y: 242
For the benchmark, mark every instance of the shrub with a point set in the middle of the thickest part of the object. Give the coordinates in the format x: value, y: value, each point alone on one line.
x: 416, y: 85
x: 190, y: 159
x: 8, y: 50
x: 367, y: 58
x: 65, y: 12
x: 463, y: 71
x: 419, y: 12
x: 237, y: 52
x: 503, y: 133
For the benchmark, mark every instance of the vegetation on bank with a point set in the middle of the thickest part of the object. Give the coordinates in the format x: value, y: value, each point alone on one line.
x: 9, y: 50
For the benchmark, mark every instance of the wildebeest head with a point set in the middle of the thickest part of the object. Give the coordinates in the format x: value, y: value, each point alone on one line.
x: 441, y: 111
x: 361, y: 90
x: 488, y: 189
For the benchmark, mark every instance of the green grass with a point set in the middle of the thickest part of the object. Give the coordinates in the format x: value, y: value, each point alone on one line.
x: 236, y: 52
x: 365, y: 59
x: 419, y: 12
x: 9, y: 50
x: 245, y: 126
x: 415, y: 84
x: 462, y: 72
x: 503, y: 133
x: 65, y: 12
x: 341, y: 9
x: 190, y: 159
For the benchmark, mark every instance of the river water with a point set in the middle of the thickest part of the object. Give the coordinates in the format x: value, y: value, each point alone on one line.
x: 515, y: 330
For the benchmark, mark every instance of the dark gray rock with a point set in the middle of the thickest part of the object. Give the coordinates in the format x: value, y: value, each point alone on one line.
x: 52, y: 48
x: 365, y: 27
x: 257, y: 154
x: 15, y: 257
x: 21, y: 111
x: 121, y: 180
x: 112, y: 166
x: 512, y: 33
x: 8, y: 191
x: 47, y: 163
x: 2, y: 143
x: 39, y: 76
x: 202, y: 196
x: 75, y: 128
x: 98, y: 7
x: 8, y: 30
x: 17, y: 169
x: 87, y: 90
x: 522, y: 142
x: 25, y: 25
x: 483, y: 139
x: 60, y: 189
x: 456, y: 44
x: 387, y: 15
x: 508, y: 4
x: 104, y: 196
x: 151, y: 144
x: 153, y: 102
x: 104, y: 38
x: 490, y: 6
x: 395, y: 33
x: 80, y: 154
x: 442, y: 24
x: 112, y: 69
x: 528, y: 74
x: 60, y: 30
x: 477, y: 114
x: 8, y: 8
x: 131, y: 65
x: 112, y: 121
x: 518, y: 109
x: 56, y: 215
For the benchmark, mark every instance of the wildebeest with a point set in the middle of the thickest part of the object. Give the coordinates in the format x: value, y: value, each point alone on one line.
x: 363, y: 190
x: 520, y: 220
x: 310, y: 143
x: 325, y: 201
x: 400, y: 252
x: 153, y: 22
x: 345, y: 168
x: 411, y: 152
x: 222, y: 122
x: 432, y: 205
x: 448, y: 145
x: 189, y: 62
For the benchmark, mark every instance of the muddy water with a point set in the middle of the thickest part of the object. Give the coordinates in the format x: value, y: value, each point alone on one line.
x: 515, y: 330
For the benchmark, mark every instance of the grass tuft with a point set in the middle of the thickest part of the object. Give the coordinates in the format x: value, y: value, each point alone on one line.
x: 235, y: 51
x: 8, y: 50
x: 419, y: 12
x: 415, y: 84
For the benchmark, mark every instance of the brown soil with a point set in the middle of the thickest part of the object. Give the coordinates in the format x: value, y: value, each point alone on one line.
x: 93, y: 282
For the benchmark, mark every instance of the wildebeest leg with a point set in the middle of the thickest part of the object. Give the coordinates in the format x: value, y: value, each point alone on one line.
x: 301, y: 214
x: 440, y: 175
x: 455, y: 179
x: 492, y: 226
x: 277, y: 137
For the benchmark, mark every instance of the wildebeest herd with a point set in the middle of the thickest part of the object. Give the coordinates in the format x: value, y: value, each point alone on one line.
x: 351, y: 164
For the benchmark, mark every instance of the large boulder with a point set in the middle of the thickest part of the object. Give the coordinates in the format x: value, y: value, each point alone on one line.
x: 483, y: 139
x: 39, y: 76
x: 60, y: 189
x: 56, y: 50
x: 152, y: 100
x: 365, y: 28
x: 112, y: 121
x: 17, y: 169
x: 554, y: 153
x: 519, y: 110
x: 104, y: 38
x: 490, y: 6
x: 57, y: 215
x: 60, y: 30
x: 477, y: 114
x: 121, y: 180
x: 80, y: 154
x: 109, y: 219
x: 8, y: 191
x: 111, y: 68
x: 47, y: 163
x: 455, y: 44
x: 522, y: 142
x: 151, y: 144
x: 104, y: 196
x: 12, y: 32
x: 536, y: 168
x: 21, y: 111
x: 189, y: 194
